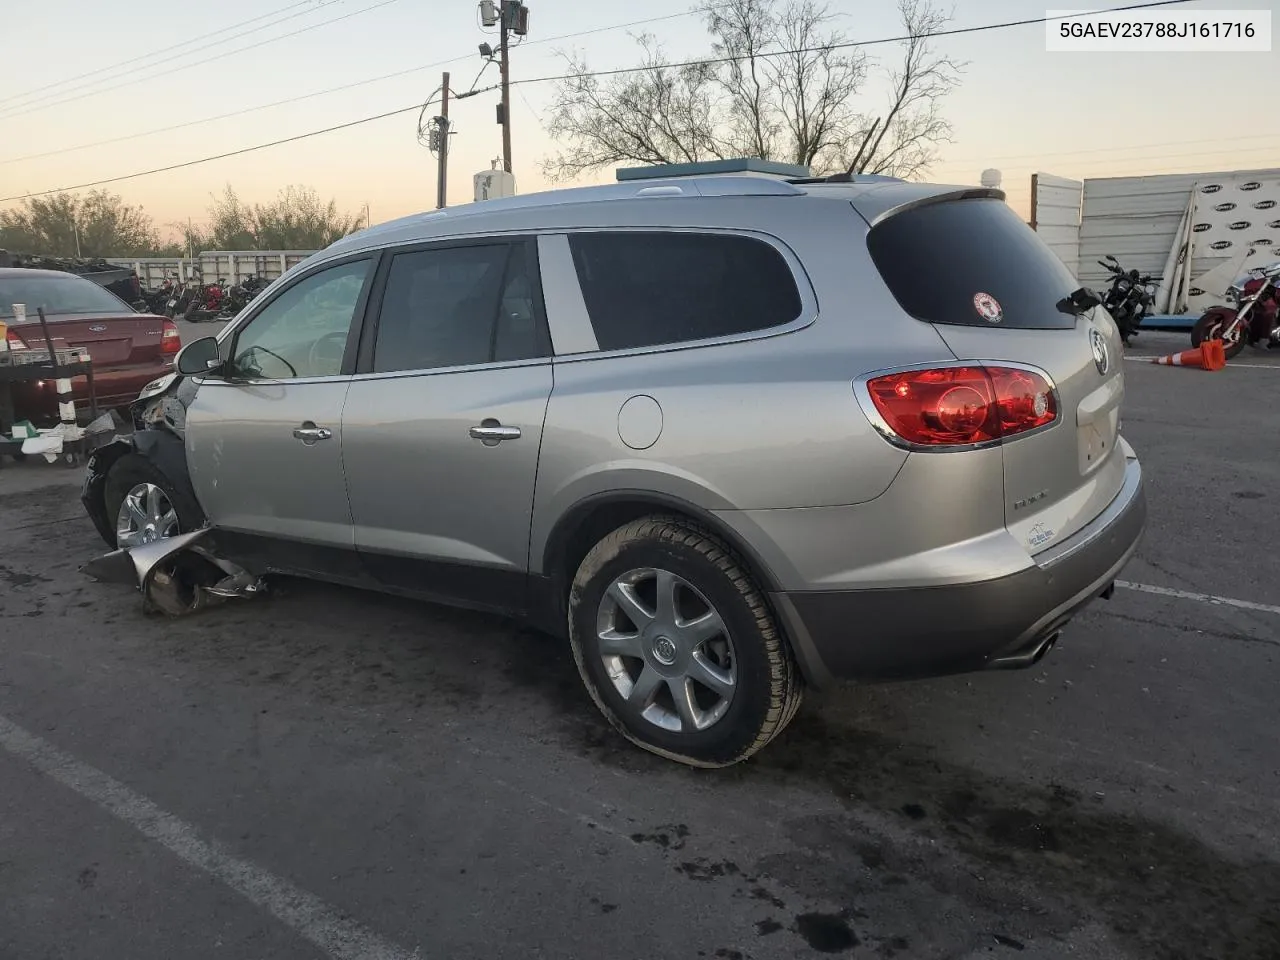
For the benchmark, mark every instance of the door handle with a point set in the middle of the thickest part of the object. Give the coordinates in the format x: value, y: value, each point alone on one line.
x: 492, y: 432
x: 310, y: 434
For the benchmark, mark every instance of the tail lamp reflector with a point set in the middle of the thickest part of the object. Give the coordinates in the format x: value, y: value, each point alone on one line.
x: 960, y: 406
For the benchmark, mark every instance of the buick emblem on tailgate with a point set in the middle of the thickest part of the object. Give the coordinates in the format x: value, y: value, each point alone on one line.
x: 97, y: 328
x: 1098, y: 344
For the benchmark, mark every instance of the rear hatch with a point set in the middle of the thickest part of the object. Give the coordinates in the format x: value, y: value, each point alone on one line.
x: 990, y: 287
x: 113, y: 341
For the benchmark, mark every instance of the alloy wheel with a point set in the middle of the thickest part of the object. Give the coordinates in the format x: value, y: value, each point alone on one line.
x: 666, y: 650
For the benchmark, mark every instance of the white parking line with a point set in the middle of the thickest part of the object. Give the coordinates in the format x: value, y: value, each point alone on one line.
x: 1254, y: 366
x: 1202, y: 597
x: 337, y: 935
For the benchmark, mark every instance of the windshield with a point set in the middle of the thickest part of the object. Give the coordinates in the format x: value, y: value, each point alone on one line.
x: 59, y: 293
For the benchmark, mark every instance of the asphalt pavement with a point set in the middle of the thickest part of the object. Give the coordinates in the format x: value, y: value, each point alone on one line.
x: 326, y: 773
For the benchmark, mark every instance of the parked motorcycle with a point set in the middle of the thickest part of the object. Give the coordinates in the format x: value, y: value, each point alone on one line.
x: 207, y: 303
x: 240, y: 296
x: 1251, y: 319
x: 156, y: 300
x: 1129, y: 298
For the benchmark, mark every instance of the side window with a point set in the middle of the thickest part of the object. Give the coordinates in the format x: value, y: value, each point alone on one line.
x: 646, y: 289
x: 456, y: 306
x: 303, y: 332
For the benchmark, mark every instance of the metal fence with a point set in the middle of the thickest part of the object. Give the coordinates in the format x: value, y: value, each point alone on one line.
x: 231, y: 266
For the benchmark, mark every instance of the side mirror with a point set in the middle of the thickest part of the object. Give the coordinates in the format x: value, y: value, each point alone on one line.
x: 199, y: 358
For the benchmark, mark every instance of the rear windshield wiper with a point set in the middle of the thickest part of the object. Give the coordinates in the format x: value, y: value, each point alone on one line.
x: 1079, y: 301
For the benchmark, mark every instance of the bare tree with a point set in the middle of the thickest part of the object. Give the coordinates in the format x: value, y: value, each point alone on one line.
x: 662, y: 114
x: 781, y: 86
x: 905, y: 143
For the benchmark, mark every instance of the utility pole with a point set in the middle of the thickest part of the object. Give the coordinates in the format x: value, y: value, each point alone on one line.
x: 442, y: 183
x: 510, y: 9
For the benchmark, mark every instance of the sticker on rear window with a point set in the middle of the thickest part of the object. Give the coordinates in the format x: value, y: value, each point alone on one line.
x: 988, y: 307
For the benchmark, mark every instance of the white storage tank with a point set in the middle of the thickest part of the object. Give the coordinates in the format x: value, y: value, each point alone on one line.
x: 991, y: 179
x: 494, y: 183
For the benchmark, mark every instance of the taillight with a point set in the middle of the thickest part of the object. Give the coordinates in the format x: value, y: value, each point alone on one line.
x: 963, y: 405
x: 14, y: 341
x: 170, y: 339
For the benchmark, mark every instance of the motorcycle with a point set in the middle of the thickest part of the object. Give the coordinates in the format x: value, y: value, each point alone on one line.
x: 156, y: 300
x: 1129, y: 298
x: 207, y: 303
x: 240, y: 296
x: 1251, y: 319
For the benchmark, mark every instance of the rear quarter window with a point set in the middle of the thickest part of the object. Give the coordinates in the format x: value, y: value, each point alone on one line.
x: 645, y: 289
x: 937, y: 258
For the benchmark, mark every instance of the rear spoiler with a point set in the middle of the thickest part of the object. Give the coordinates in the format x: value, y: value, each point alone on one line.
x: 880, y: 203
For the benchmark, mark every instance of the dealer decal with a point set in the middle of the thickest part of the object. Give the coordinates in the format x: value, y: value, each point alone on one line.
x: 988, y: 307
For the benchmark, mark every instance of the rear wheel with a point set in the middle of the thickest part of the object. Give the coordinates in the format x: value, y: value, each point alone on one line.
x: 1213, y: 324
x: 677, y: 646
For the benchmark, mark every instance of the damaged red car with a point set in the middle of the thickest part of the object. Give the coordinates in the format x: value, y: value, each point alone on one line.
x: 128, y: 349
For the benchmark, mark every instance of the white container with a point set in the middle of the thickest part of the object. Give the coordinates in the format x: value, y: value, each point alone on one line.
x: 494, y: 183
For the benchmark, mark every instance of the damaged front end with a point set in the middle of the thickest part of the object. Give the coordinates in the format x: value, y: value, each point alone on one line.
x: 179, y: 575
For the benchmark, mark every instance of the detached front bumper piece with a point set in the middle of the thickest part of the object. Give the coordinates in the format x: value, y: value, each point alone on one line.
x: 177, y: 576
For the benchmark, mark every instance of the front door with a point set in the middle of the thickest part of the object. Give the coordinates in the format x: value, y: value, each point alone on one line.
x: 443, y: 423
x: 264, y: 437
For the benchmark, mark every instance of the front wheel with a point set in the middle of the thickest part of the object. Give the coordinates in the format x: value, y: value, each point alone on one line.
x: 677, y: 647
x: 1213, y: 324
x: 143, y: 505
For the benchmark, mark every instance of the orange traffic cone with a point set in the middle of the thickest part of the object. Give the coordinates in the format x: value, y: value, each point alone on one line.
x: 1208, y: 356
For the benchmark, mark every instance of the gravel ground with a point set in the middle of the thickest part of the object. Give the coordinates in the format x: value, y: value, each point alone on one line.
x: 322, y: 772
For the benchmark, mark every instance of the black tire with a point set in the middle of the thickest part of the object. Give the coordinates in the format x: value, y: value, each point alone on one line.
x: 1210, y: 326
x: 133, y: 469
x: 768, y: 687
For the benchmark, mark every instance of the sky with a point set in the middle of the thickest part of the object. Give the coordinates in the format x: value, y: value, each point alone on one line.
x: 1018, y: 108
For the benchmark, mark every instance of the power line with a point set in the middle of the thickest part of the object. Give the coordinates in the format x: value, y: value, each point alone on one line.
x: 146, y: 56
x: 1076, y: 153
x: 570, y: 76
x: 957, y: 31
x: 338, y: 89
x: 221, y: 156
x: 29, y: 108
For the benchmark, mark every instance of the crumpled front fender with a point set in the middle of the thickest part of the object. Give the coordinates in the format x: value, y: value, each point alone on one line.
x: 95, y: 482
x: 178, y: 575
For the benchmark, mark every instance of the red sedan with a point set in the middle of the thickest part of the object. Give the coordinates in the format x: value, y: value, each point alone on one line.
x: 128, y: 349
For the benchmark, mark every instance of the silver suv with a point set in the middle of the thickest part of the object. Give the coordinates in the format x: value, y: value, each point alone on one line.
x: 729, y: 434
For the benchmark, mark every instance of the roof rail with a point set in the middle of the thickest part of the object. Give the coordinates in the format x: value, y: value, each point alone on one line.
x: 703, y: 168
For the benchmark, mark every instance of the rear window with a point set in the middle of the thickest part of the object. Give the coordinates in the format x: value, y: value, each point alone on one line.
x: 940, y: 259
x: 58, y: 293
x: 645, y: 289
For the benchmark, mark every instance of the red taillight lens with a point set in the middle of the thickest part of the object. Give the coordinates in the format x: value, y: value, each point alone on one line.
x: 171, y: 339
x: 957, y: 406
x: 14, y: 341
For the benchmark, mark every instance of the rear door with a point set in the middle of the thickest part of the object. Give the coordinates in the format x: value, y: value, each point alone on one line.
x: 443, y: 424
x: 990, y: 287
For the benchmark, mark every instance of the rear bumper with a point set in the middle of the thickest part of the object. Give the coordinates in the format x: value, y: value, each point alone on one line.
x: 114, y: 386
x: 914, y: 632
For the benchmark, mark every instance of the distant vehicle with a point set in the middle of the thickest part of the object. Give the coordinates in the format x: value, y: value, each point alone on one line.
x: 128, y: 349
x: 724, y: 435
x: 1129, y: 298
x: 123, y: 282
x: 1253, y: 317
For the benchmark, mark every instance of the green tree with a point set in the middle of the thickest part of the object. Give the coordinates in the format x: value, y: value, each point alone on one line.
x: 296, y: 220
x: 101, y: 223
